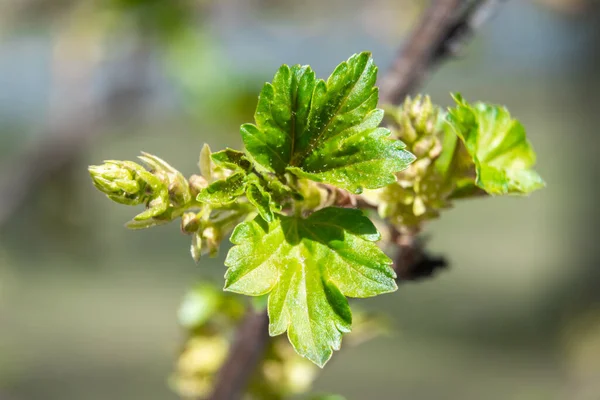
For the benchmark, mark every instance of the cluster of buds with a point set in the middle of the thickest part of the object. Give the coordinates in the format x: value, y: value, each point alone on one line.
x: 418, y: 123
x: 168, y: 195
x: 161, y: 188
x: 420, y: 192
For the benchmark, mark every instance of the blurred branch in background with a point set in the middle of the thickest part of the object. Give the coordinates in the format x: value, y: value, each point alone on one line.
x: 245, y: 353
x: 77, y: 117
x: 445, y: 28
x: 572, y: 7
x: 77, y: 112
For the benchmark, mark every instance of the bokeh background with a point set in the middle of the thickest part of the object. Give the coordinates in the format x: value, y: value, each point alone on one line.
x: 88, y: 309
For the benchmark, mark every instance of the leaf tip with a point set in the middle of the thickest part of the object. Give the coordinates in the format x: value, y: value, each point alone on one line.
x: 458, y: 98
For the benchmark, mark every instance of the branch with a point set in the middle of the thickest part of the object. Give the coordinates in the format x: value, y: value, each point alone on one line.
x: 442, y: 33
x: 248, y: 348
x: 412, y: 261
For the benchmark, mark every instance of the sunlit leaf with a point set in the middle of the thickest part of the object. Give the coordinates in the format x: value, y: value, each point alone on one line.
x: 308, y: 267
x: 503, y: 156
x: 224, y: 191
x: 232, y: 159
x: 260, y: 199
x: 327, y: 131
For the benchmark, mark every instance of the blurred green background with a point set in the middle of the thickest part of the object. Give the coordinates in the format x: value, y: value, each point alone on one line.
x: 88, y: 309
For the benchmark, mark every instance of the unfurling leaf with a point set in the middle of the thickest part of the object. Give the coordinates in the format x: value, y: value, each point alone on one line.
x: 224, y: 191
x: 232, y: 159
x: 308, y: 267
x: 260, y: 199
x: 325, y: 131
x: 502, y: 154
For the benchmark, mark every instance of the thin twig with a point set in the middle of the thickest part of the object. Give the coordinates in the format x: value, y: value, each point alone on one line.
x: 445, y: 28
x: 413, y: 61
x: 412, y: 261
x: 246, y: 352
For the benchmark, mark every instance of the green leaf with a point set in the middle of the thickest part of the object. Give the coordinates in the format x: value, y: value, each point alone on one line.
x: 232, y: 159
x: 223, y: 192
x: 325, y: 131
x: 308, y: 266
x: 502, y: 154
x: 280, y: 191
x: 466, y: 188
x: 260, y: 199
x: 449, y: 141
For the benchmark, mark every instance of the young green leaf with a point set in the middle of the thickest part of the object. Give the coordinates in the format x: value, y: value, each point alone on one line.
x: 260, y: 199
x: 232, y: 159
x: 308, y: 266
x: 325, y: 131
x: 224, y: 191
x: 497, y: 143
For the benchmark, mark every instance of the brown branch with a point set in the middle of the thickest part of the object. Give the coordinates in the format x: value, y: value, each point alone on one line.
x: 443, y: 31
x: 412, y: 261
x: 246, y: 352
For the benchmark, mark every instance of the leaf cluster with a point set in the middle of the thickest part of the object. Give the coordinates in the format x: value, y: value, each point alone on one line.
x: 313, y: 143
x: 464, y: 152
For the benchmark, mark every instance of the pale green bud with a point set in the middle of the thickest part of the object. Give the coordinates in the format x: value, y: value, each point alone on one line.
x: 157, y: 206
x: 129, y: 183
x: 418, y: 124
x: 190, y: 223
x: 196, y: 248
x: 178, y: 187
x: 119, y: 182
x: 212, y: 237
